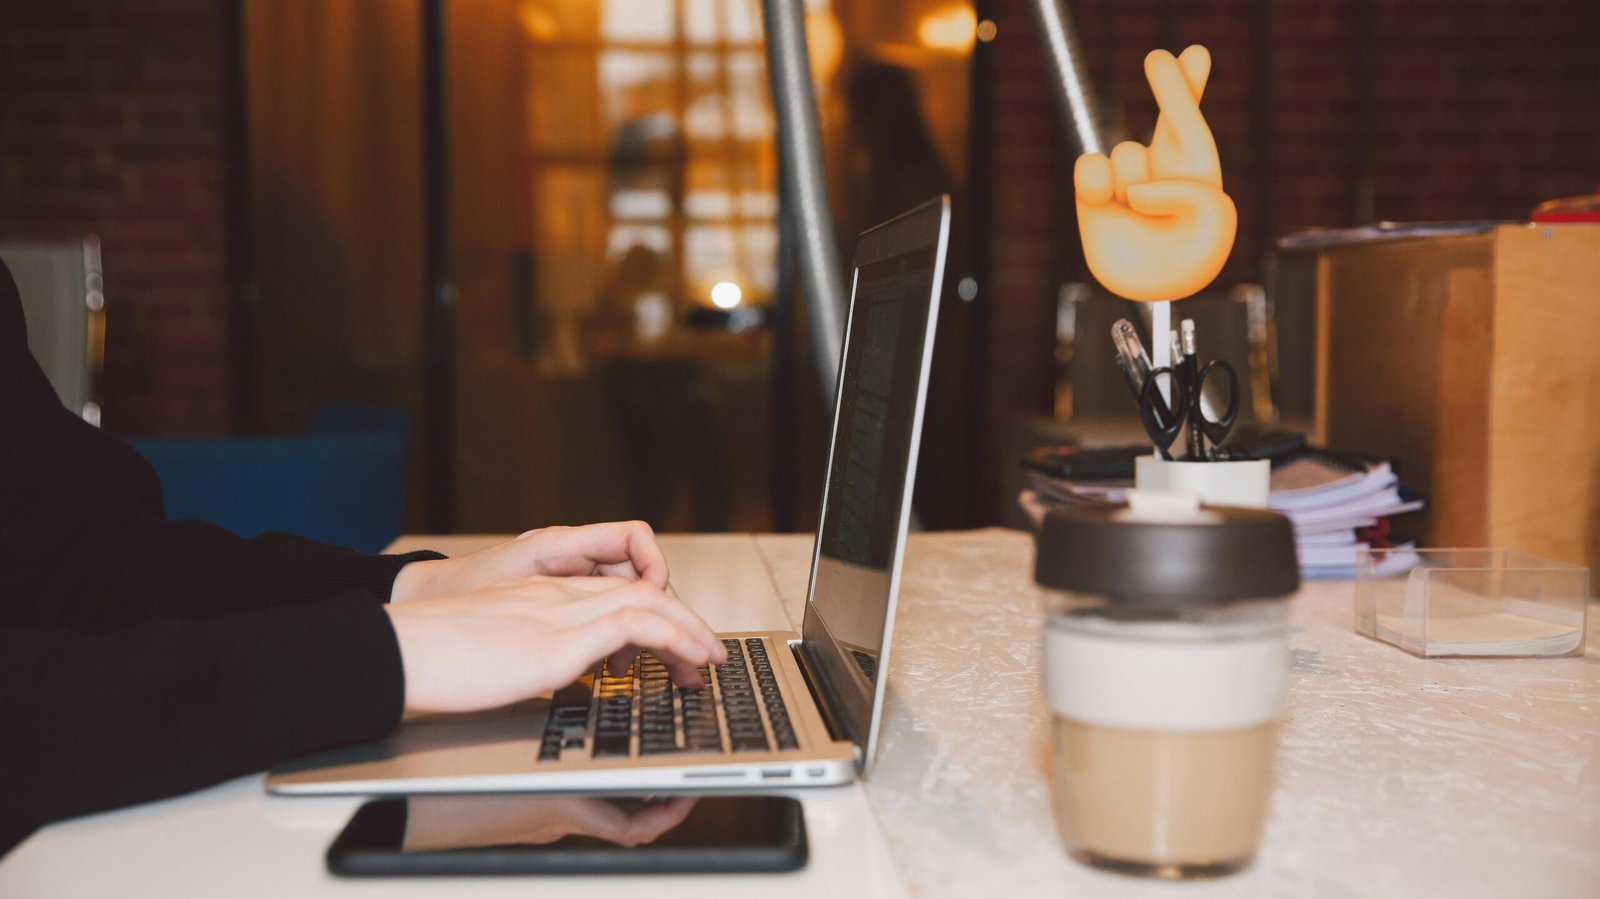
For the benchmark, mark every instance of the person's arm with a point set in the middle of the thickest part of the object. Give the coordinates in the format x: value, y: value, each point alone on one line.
x: 97, y: 720
x: 152, y: 567
x: 94, y: 547
x: 140, y: 658
x: 83, y: 539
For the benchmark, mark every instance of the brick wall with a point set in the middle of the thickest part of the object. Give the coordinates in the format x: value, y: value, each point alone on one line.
x: 111, y: 122
x: 1415, y: 110
x: 1026, y: 245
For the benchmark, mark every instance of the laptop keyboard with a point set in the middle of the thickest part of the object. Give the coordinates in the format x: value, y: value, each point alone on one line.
x: 640, y: 712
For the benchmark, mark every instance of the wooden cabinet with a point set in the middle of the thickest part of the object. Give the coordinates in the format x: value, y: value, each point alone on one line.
x: 1474, y: 361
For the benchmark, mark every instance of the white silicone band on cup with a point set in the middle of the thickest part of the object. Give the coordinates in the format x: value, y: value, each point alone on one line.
x: 1165, y: 685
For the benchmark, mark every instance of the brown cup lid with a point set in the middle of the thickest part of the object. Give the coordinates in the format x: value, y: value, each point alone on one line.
x: 1214, y: 555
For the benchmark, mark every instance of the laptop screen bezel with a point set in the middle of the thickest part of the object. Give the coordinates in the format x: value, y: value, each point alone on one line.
x: 927, y: 225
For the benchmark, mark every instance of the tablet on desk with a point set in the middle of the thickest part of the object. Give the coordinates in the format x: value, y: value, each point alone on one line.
x: 559, y: 834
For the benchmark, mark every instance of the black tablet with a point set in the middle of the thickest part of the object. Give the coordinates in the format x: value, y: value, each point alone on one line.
x: 561, y: 834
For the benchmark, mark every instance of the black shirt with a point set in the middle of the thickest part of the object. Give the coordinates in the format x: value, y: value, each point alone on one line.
x: 141, y: 657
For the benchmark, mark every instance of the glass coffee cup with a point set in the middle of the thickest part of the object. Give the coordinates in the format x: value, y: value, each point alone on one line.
x: 1165, y: 663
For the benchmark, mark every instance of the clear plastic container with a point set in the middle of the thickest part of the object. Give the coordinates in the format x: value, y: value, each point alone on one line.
x: 1439, y: 603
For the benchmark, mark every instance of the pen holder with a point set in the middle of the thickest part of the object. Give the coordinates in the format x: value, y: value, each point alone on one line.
x: 1216, y: 483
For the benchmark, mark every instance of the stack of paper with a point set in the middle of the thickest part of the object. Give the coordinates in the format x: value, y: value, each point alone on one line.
x: 1334, y: 505
x: 1331, y: 503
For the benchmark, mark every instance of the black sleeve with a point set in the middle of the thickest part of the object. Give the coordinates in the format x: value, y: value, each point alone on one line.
x: 83, y: 539
x: 93, y: 721
x: 139, y: 657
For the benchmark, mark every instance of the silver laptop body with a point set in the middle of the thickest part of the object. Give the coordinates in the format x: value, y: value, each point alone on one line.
x: 812, y: 718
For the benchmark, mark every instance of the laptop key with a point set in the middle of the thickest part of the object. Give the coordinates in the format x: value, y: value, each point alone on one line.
x: 568, y: 719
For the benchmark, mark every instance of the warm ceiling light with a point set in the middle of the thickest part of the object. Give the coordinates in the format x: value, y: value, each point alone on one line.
x: 951, y: 29
x: 726, y: 295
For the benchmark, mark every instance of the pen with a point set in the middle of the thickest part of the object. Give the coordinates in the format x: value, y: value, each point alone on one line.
x: 1191, y: 390
x: 1131, y: 358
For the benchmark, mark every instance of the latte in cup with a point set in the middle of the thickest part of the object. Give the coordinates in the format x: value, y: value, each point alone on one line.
x: 1163, y: 739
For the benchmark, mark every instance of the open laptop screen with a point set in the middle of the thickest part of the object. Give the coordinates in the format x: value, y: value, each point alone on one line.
x: 871, y: 465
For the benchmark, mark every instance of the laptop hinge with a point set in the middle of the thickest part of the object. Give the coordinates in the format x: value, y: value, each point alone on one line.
x: 807, y: 670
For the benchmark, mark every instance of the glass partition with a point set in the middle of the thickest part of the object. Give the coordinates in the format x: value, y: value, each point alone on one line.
x: 613, y: 181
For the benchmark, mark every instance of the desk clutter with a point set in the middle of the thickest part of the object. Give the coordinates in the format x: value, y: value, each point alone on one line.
x: 1338, y: 503
x: 1181, y: 397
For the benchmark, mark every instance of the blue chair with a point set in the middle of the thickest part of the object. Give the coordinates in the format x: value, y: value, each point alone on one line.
x: 343, y: 483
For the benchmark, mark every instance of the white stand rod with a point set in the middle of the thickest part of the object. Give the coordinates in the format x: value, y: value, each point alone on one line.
x: 1161, y: 338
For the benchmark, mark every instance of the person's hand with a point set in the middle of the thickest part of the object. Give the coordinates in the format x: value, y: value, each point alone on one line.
x: 625, y: 549
x: 1155, y: 223
x: 507, y: 643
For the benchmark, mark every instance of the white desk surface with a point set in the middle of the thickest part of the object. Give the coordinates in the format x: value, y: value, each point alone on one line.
x: 1397, y: 776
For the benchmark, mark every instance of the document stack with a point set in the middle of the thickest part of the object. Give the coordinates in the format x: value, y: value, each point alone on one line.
x: 1338, y: 507
x: 1338, y: 504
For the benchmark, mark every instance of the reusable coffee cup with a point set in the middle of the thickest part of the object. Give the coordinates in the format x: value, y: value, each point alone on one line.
x: 1165, y: 662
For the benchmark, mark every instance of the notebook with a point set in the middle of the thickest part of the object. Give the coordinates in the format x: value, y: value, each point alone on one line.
x: 787, y: 709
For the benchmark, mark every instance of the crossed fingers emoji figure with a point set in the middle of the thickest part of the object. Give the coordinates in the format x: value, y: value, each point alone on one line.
x: 1155, y: 223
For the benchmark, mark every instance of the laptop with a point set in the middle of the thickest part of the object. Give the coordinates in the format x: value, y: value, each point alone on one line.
x: 785, y: 710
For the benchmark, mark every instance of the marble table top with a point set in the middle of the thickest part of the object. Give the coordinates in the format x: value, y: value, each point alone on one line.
x: 1398, y: 776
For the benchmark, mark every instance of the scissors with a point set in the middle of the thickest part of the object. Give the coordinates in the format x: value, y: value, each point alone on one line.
x: 1192, y: 402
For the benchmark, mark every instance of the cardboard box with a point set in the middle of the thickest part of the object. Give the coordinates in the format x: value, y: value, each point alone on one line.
x: 1473, y: 360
